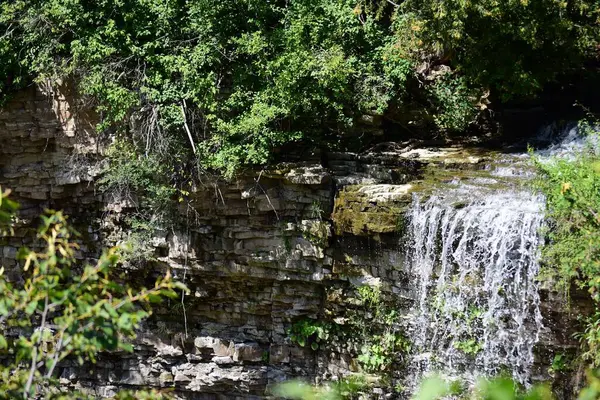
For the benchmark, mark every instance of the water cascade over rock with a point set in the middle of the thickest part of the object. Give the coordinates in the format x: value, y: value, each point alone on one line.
x: 478, y: 305
x: 474, y: 247
x: 300, y: 244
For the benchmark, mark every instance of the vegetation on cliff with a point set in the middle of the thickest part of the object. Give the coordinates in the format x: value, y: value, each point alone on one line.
x: 572, y: 189
x: 197, y: 86
x: 63, y: 311
x: 231, y: 82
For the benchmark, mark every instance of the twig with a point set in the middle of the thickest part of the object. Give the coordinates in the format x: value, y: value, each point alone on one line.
x: 35, y: 350
x: 185, y: 269
x: 266, y: 195
x: 187, y: 129
x: 56, y: 354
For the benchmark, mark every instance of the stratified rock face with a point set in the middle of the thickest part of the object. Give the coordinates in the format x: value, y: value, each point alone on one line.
x: 258, y: 254
x: 47, y: 149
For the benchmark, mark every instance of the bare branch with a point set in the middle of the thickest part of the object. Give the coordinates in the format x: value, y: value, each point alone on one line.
x: 56, y: 354
x: 35, y: 350
x: 187, y: 129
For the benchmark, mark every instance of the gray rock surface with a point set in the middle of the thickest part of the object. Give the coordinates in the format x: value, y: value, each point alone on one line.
x: 261, y: 256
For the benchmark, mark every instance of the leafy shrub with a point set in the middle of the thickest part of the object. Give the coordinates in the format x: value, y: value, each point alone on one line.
x: 232, y: 82
x: 143, y: 180
x: 373, y: 328
x: 370, y: 296
x: 513, y: 47
x: 453, y: 102
x: 137, y: 246
x: 560, y: 363
x: 572, y: 253
x: 310, y: 332
x: 470, y: 346
x: 382, y: 341
x: 7, y: 211
x: 151, y: 188
x: 382, y: 351
x: 65, y: 311
x: 572, y: 189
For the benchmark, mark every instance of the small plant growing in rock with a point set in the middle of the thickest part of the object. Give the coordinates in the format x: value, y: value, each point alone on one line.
x: 370, y: 296
x: 310, y: 332
x: 265, y: 357
x: 560, y: 363
x: 379, y: 354
x: 316, y: 211
x: 470, y: 347
x: 7, y: 211
x: 383, y: 342
x: 136, y: 247
x: 317, y: 233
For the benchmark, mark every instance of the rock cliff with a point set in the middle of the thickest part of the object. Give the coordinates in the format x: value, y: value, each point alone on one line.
x: 291, y: 243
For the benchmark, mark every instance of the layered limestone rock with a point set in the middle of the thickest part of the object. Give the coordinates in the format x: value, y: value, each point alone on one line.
x: 371, y: 209
x: 258, y: 255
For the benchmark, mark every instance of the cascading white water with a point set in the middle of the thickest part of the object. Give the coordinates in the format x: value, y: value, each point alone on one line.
x: 474, y: 248
x: 478, y: 305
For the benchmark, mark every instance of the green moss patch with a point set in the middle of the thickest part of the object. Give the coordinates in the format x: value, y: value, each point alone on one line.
x: 356, y: 212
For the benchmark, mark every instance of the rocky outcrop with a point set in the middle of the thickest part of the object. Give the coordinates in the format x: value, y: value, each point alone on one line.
x: 258, y: 254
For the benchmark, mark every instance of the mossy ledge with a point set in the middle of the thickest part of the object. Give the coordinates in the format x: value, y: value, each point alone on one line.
x: 363, y: 210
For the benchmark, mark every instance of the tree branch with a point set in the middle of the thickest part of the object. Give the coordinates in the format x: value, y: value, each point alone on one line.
x: 35, y: 351
x: 187, y: 128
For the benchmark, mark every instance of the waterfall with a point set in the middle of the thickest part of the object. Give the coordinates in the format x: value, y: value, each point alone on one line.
x: 476, y: 261
x: 473, y: 249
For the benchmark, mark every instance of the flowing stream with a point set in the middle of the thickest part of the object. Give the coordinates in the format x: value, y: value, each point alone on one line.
x: 474, y: 248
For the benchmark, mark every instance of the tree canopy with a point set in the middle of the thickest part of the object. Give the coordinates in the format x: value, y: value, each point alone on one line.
x: 232, y: 81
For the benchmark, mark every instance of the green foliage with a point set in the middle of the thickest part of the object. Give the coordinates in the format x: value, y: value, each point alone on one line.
x: 592, y: 391
x: 151, y: 187
x: 244, y: 77
x: 572, y: 253
x: 66, y: 311
x: 435, y: 388
x: 265, y: 357
x: 432, y: 388
x: 383, y: 342
x: 310, y: 332
x: 137, y: 247
x: 560, y: 363
x: 572, y: 189
x: 468, y: 339
x: 303, y: 391
x: 470, y: 346
x: 590, y: 337
x: 370, y: 296
x: 454, y: 102
x: 352, y: 386
x: 347, y: 388
x: 513, y: 47
x: 382, y: 350
x: 231, y: 82
x: 373, y: 327
x: 316, y: 232
x: 7, y: 211
x: 316, y: 210
x: 142, y: 180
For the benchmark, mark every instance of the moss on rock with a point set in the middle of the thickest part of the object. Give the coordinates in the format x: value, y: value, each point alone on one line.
x: 370, y: 209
